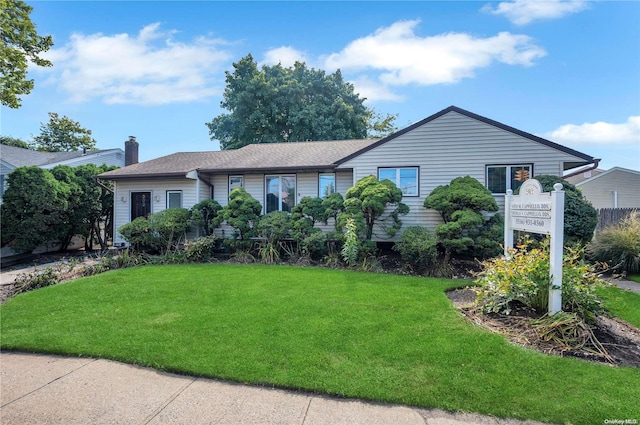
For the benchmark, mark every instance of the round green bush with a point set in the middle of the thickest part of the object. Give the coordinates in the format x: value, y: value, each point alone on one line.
x: 417, y: 246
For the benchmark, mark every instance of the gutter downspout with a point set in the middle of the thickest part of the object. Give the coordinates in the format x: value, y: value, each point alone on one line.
x: 203, y: 180
x: 596, y: 162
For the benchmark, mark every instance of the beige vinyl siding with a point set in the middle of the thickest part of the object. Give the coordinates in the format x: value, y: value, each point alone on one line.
x: 451, y: 146
x: 204, y: 193
x: 254, y: 184
x: 158, y: 188
x: 344, y: 180
x: 306, y: 185
x: 600, y: 190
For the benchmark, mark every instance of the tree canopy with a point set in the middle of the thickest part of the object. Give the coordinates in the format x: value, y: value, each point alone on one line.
x: 62, y: 134
x: 20, y: 45
x: 277, y: 104
x: 14, y: 141
x: 33, y: 208
x: 43, y: 206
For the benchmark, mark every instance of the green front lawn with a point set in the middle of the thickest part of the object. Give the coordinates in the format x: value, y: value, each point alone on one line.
x: 373, y: 336
x: 621, y: 302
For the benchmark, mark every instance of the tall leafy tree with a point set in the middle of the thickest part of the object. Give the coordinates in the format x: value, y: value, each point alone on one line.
x: 14, y: 141
x: 277, y: 104
x: 42, y: 206
x: 379, y: 125
x: 33, y: 209
x: 89, y: 205
x: 62, y: 134
x: 20, y: 44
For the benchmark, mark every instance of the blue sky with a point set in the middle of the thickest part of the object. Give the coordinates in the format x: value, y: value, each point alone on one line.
x: 568, y: 71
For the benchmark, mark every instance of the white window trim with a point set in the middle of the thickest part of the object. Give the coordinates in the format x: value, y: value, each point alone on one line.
x: 335, y: 183
x: 279, y: 176
x: 170, y: 192
x: 397, y: 182
x: 235, y: 176
x: 507, y: 176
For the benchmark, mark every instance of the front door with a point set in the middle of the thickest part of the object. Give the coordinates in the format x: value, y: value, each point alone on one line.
x: 140, y: 204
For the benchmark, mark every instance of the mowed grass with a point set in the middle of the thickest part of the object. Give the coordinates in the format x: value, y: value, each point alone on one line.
x: 634, y: 277
x: 373, y: 336
x: 622, y: 303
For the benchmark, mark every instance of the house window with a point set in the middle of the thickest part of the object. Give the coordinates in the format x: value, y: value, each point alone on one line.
x: 174, y: 199
x: 280, y: 193
x: 501, y: 178
x: 140, y: 204
x: 405, y: 178
x: 326, y: 185
x: 235, y: 181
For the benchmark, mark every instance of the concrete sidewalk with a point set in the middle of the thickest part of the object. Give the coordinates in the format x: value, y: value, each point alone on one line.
x: 42, y: 389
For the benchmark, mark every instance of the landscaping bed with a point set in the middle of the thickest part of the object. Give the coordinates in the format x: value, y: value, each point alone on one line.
x: 613, y: 341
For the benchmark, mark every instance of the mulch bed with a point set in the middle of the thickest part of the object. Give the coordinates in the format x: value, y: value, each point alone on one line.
x: 616, y: 342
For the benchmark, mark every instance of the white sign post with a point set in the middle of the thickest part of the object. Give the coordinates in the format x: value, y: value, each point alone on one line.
x: 539, y: 212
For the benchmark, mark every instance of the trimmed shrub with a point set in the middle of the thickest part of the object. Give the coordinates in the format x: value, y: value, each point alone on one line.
x: 200, y: 250
x: 465, y: 230
x: 206, y: 215
x: 314, y: 246
x: 373, y: 203
x: 170, y: 227
x: 138, y: 234
x: 418, y: 246
x: 619, y: 245
x: 241, y: 213
x: 159, y: 233
x: 273, y: 228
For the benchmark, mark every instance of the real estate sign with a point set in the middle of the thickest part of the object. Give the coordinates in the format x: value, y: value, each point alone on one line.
x: 539, y: 212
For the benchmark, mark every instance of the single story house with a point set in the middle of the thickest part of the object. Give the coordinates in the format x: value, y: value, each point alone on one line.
x: 614, y: 188
x: 12, y: 157
x: 448, y: 144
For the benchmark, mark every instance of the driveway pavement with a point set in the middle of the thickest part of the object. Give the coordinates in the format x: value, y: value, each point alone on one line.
x: 43, y: 389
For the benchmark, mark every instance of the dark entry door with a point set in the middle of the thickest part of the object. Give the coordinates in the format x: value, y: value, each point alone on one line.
x: 140, y: 204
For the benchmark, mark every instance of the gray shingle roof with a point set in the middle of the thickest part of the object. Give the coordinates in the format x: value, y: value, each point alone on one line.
x: 19, y: 157
x: 257, y: 157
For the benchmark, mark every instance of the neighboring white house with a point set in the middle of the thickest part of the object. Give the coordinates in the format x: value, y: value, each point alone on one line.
x: 12, y: 157
x: 613, y: 188
x: 451, y: 143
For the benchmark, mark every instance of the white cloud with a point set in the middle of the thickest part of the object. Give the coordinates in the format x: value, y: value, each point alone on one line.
x: 598, y: 133
x: 285, y: 55
x: 374, y: 90
x: 406, y: 58
x: 150, y: 68
x: 522, y: 12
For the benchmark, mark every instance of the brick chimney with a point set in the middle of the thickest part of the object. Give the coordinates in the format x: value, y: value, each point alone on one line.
x: 130, y: 151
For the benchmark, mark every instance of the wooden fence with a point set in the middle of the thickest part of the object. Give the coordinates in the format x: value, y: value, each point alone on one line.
x: 611, y: 216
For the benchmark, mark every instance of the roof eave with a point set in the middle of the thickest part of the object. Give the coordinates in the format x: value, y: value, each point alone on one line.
x: 261, y: 170
x: 142, y: 176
